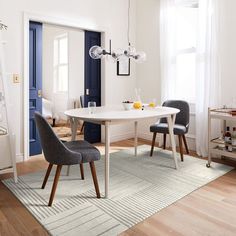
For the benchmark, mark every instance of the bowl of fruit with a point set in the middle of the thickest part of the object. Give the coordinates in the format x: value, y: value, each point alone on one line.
x: 128, y: 105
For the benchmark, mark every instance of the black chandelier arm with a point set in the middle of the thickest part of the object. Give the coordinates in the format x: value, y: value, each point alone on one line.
x: 104, y: 52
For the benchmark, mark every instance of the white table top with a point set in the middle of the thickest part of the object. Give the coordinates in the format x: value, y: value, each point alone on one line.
x: 119, y: 114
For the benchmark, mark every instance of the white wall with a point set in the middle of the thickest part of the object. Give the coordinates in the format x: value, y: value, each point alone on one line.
x: 148, y: 73
x: 110, y: 15
x: 49, y: 33
x: 147, y: 39
x: 76, y: 66
x: 63, y: 101
x: 228, y: 50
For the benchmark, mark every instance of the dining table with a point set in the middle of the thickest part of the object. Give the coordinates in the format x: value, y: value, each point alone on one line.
x: 113, y: 115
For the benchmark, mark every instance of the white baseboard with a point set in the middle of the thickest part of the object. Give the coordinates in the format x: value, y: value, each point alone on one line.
x: 148, y: 136
x: 120, y: 137
x: 19, y: 157
x: 190, y: 136
x: 190, y: 139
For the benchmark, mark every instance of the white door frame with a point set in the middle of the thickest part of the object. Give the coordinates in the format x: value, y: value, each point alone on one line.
x: 61, y: 22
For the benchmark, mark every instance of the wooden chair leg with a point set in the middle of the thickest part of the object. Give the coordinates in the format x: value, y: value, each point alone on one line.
x: 181, y: 147
x: 164, y: 141
x: 47, y: 175
x: 153, y: 143
x: 53, y: 122
x: 82, y: 170
x: 55, y: 182
x: 95, y: 181
x: 82, y: 128
x: 185, y: 144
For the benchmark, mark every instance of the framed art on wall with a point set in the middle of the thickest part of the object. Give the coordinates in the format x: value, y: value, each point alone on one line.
x: 123, y: 67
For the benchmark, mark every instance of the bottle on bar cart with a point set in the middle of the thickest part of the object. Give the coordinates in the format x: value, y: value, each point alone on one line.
x: 233, y: 138
x: 227, y: 138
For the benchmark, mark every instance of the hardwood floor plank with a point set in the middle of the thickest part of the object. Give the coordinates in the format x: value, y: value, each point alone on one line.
x: 153, y: 227
x: 226, y: 224
x: 17, y: 215
x: 6, y: 229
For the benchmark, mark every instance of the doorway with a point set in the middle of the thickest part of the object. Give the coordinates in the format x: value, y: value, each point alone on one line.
x: 65, y: 74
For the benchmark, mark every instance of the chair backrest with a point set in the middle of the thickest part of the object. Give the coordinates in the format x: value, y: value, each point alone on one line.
x: 54, y: 150
x: 82, y: 100
x: 182, y: 118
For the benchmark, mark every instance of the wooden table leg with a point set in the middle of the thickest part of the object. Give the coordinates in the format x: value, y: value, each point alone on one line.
x: 135, y: 137
x: 74, y: 126
x: 107, y: 158
x: 171, y: 121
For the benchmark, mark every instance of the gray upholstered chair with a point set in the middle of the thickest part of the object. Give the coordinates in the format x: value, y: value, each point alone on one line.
x: 69, y: 153
x: 180, y: 128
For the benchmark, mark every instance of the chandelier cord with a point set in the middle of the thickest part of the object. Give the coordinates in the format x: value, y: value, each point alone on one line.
x: 128, y: 29
x: 97, y: 52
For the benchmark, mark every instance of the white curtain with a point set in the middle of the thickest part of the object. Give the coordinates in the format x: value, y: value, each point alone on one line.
x: 208, y: 78
x: 208, y: 74
x: 1, y: 77
x: 168, y: 49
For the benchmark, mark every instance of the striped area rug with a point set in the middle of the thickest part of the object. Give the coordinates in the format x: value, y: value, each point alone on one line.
x: 139, y: 187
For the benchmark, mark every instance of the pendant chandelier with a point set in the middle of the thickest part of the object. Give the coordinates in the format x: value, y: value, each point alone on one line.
x: 97, y: 52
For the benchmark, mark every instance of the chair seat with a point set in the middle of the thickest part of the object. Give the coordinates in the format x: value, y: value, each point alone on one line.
x: 163, y: 128
x: 88, y: 152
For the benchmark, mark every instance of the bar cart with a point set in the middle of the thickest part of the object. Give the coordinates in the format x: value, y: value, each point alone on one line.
x: 216, y: 144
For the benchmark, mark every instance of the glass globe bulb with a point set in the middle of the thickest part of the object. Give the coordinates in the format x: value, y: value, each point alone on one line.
x: 117, y: 54
x: 96, y: 52
x: 140, y: 57
x: 123, y: 58
x: 131, y: 50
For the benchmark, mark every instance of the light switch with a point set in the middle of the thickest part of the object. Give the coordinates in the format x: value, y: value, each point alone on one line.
x: 16, y: 78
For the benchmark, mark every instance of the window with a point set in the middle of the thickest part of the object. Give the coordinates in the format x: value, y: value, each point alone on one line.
x: 186, y: 42
x: 61, y: 64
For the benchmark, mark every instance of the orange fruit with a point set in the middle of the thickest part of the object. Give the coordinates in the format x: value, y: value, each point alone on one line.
x: 137, y: 105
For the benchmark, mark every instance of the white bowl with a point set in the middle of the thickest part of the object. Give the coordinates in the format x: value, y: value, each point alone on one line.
x: 128, y: 106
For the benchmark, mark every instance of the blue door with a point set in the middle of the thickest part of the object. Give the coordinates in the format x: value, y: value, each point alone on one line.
x: 92, y: 84
x: 35, y: 84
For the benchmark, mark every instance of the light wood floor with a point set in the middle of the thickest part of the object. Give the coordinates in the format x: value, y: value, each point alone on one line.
x: 210, y: 210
